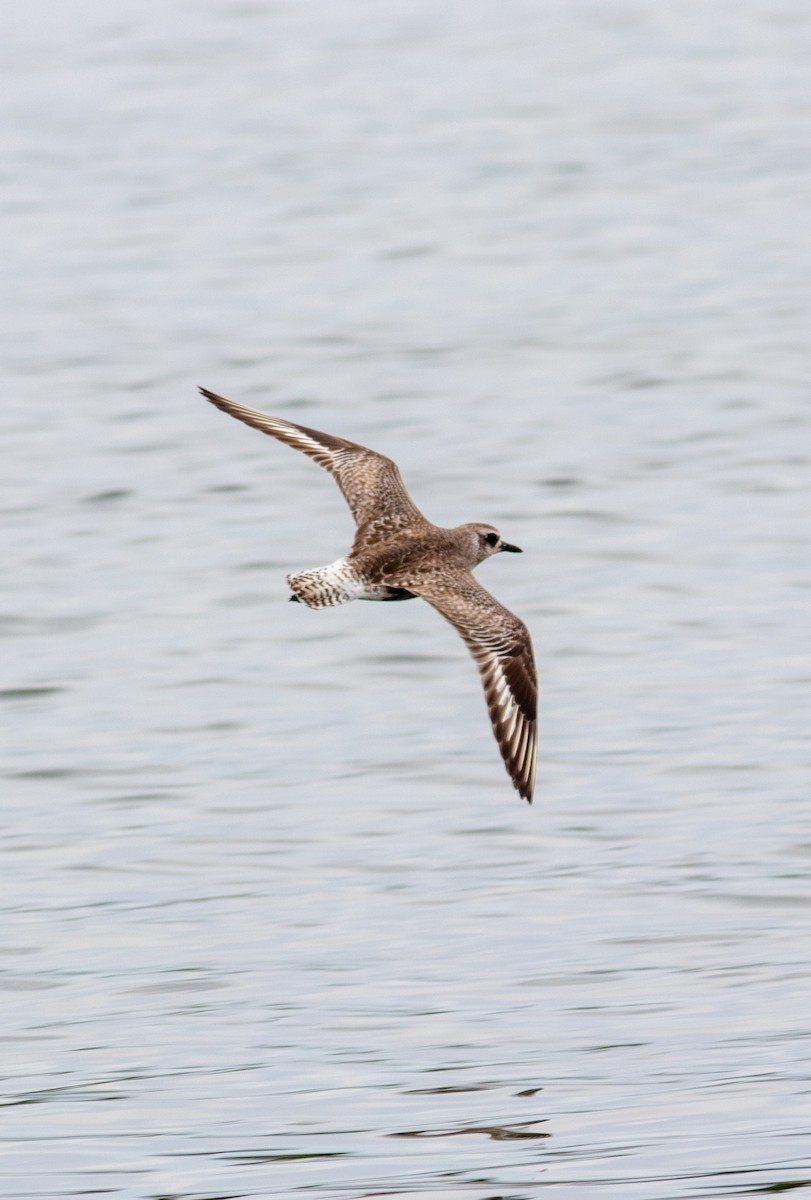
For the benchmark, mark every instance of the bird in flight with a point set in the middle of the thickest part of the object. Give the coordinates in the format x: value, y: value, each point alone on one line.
x: 398, y: 554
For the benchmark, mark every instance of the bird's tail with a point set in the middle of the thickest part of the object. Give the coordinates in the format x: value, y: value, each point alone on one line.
x: 326, y: 586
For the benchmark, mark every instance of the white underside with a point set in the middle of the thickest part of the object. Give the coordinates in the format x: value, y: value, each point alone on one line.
x: 327, y: 586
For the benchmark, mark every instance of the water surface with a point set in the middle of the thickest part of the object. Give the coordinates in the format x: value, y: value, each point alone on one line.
x: 274, y: 922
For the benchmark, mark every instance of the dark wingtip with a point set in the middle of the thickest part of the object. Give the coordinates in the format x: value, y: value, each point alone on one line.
x: 294, y: 599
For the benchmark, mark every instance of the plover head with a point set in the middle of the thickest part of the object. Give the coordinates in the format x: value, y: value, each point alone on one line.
x: 486, y: 541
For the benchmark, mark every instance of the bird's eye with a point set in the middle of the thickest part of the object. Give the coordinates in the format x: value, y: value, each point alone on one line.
x: 491, y: 539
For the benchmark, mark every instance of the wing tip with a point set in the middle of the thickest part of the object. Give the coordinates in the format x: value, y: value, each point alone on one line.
x: 212, y: 397
x: 522, y: 771
x: 525, y: 788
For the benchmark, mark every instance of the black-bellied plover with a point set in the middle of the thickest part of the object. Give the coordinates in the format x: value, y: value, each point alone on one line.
x: 398, y: 554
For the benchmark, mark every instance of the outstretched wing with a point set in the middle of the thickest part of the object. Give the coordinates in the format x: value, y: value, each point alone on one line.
x: 370, y: 483
x: 502, y: 650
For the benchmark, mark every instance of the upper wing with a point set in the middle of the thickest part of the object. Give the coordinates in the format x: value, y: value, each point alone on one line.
x: 370, y: 483
x: 502, y: 649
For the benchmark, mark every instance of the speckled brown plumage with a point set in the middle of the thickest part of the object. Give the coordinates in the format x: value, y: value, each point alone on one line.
x: 398, y: 554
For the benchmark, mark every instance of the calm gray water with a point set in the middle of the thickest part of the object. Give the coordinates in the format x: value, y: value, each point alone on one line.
x: 274, y: 923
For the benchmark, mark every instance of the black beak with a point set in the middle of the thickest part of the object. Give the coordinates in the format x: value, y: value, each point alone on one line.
x: 510, y: 549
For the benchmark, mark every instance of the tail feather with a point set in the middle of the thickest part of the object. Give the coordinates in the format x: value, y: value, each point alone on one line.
x: 326, y: 586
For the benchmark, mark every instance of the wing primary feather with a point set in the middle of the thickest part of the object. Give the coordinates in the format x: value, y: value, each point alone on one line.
x: 502, y: 649
x: 370, y: 482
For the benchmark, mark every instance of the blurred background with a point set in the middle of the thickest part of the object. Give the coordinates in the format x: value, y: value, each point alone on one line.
x: 274, y: 921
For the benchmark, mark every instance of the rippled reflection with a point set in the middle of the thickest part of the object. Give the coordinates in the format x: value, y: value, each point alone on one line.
x: 273, y: 921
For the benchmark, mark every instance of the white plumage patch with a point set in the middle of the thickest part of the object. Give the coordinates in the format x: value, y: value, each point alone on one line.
x: 327, y: 586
